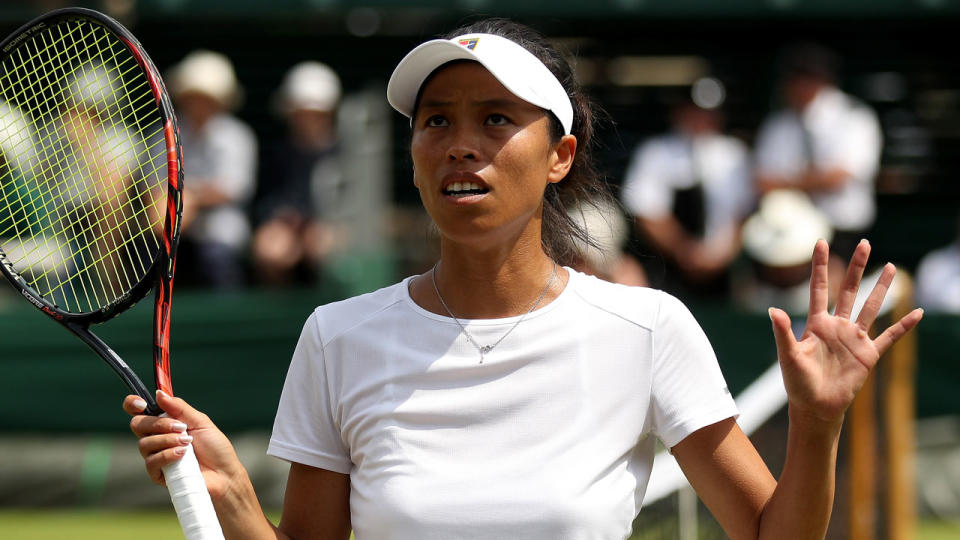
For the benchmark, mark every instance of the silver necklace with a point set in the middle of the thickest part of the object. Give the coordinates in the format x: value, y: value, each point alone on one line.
x: 483, y: 350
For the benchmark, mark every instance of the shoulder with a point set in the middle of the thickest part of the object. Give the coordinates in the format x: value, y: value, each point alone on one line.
x: 727, y: 149
x: 778, y: 121
x: 731, y: 144
x: 228, y: 124
x: 656, y: 146
x: 860, y: 111
x: 640, y: 306
x: 337, y: 318
x: 666, y: 143
x: 948, y: 256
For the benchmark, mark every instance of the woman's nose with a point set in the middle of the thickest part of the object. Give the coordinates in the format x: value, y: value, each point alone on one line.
x: 462, y: 145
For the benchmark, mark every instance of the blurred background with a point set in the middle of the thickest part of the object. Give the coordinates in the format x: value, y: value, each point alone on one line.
x: 736, y: 133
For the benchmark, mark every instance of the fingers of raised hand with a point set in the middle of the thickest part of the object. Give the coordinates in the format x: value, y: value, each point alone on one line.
x: 871, y: 307
x: 782, y: 332
x: 851, y: 282
x: 897, y: 330
x: 819, y: 295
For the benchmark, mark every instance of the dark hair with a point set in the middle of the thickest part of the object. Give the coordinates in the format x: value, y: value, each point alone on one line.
x: 582, y: 185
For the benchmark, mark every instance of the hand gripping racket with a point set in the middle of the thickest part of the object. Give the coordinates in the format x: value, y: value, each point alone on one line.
x: 90, y: 196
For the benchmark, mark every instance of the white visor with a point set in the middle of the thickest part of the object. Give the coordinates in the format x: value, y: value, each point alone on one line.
x: 518, y: 70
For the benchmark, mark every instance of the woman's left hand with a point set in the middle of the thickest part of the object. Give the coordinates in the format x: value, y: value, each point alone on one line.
x: 825, y: 369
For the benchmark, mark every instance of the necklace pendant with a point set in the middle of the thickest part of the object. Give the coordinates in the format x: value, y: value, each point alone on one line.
x: 485, y: 349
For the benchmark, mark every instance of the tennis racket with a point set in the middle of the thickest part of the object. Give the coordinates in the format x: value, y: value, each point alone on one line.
x: 90, y: 196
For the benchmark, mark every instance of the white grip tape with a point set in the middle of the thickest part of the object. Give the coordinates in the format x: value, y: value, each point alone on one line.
x: 191, y: 500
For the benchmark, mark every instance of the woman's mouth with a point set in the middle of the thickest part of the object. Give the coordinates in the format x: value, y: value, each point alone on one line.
x: 464, y: 189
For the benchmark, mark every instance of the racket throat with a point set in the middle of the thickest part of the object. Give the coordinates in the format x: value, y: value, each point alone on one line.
x: 117, y: 365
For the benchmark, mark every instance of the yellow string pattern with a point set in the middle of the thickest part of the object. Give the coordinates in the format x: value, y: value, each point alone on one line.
x: 83, y: 170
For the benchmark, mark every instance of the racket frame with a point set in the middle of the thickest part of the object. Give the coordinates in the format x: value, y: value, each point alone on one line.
x: 159, y: 275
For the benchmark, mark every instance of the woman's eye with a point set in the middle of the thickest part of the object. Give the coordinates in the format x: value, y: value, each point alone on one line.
x: 497, y: 120
x: 436, y: 121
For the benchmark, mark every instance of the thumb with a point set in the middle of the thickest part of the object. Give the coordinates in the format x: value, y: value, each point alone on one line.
x: 782, y: 332
x: 181, y: 410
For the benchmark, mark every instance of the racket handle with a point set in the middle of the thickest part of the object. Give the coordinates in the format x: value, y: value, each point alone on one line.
x: 191, y: 500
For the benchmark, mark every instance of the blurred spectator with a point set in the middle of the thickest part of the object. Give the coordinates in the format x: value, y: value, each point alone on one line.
x: 938, y: 279
x: 219, y: 154
x: 778, y: 240
x: 300, y: 180
x: 605, y: 257
x: 825, y: 143
x: 23, y: 212
x: 690, y: 190
x: 93, y: 141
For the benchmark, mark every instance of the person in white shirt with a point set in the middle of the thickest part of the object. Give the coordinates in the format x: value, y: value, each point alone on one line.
x: 301, y: 181
x: 219, y: 163
x: 500, y: 394
x: 690, y: 191
x: 778, y: 241
x: 825, y: 143
x: 938, y: 278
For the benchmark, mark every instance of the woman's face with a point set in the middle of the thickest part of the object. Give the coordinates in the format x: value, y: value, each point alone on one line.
x: 482, y: 157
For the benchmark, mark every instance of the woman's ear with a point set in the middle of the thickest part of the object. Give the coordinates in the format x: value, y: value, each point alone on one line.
x: 562, y: 158
x: 416, y: 183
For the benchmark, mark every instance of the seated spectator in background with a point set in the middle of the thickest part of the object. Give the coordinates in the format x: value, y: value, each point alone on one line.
x: 690, y: 190
x: 23, y: 207
x: 825, y: 143
x: 778, y: 240
x: 220, y: 159
x: 299, y: 180
x: 604, y: 257
x: 938, y: 279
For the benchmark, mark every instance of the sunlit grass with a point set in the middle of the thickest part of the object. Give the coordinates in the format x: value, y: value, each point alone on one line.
x: 162, y: 525
x: 938, y: 530
x: 58, y: 524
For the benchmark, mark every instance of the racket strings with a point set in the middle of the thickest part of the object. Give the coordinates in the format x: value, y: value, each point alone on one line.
x: 100, y: 278
x: 146, y: 103
x: 82, y: 206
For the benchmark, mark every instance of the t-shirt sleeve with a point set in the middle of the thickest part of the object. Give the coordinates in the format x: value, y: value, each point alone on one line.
x: 305, y: 429
x: 646, y: 188
x: 858, y: 151
x: 688, y: 390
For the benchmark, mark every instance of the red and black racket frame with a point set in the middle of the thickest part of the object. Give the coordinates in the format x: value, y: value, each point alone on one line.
x: 160, y: 274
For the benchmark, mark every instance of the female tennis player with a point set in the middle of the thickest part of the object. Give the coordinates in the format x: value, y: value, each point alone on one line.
x: 501, y: 394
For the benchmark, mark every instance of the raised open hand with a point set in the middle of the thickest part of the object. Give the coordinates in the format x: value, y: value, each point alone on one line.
x: 825, y: 369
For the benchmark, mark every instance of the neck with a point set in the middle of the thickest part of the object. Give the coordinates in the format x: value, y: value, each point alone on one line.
x: 488, y: 284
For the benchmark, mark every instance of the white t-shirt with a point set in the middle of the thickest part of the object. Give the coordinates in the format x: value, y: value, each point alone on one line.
x: 223, y: 154
x: 938, y: 280
x: 664, y: 164
x: 551, y: 438
x: 843, y: 133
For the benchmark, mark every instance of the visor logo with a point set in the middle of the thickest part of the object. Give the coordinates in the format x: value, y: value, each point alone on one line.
x: 469, y: 43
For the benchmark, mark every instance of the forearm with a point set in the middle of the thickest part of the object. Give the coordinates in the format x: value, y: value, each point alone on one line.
x: 766, y: 183
x: 206, y: 194
x: 240, y: 514
x: 666, y: 234
x: 812, y: 179
x: 824, y: 179
x: 803, y: 499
